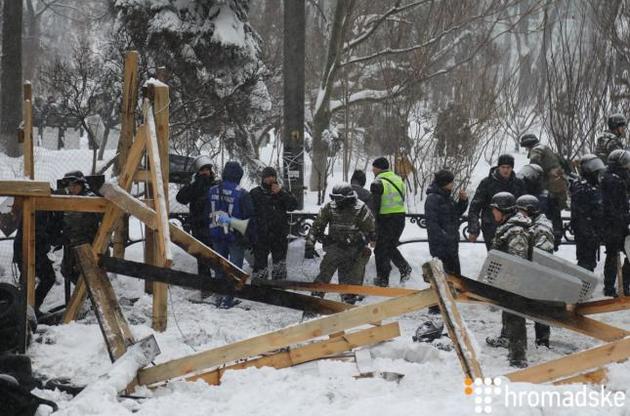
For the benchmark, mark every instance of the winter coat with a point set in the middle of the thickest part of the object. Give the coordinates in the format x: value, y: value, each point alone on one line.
x: 363, y: 195
x: 480, y: 204
x: 543, y: 156
x: 195, y: 195
x: 513, y: 236
x: 616, y: 208
x: 442, y: 216
x: 348, y: 226
x: 541, y: 232
x: 43, y: 237
x: 587, y: 210
x: 79, y: 227
x: 272, y: 221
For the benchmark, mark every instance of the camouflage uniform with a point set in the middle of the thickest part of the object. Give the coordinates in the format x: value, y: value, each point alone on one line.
x: 513, y: 237
x: 349, y: 230
x: 554, y: 182
x: 606, y: 143
x: 542, y: 237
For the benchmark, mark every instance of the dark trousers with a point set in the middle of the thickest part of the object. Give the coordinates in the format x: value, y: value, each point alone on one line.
x: 204, y: 267
x: 278, y: 248
x: 610, y: 268
x: 389, y: 229
x: 45, y: 275
x: 516, y: 332
x: 586, y: 251
x: 488, y: 231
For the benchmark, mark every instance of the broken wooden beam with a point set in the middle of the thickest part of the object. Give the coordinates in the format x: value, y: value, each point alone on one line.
x: 389, y: 292
x: 574, y: 364
x: 108, y: 312
x: 453, y: 322
x: 310, y: 352
x: 285, y: 337
x: 225, y: 287
x: 24, y: 187
x: 549, y: 313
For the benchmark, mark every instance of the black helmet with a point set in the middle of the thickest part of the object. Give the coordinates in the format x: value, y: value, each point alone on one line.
x: 529, y: 140
x: 616, y: 120
x: 504, y: 202
x: 590, y: 164
x: 619, y: 159
x: 74, y: 177
x: 528, y: 203
x: 532, y: 173
x: 343, y: 194
x: 202, y: 161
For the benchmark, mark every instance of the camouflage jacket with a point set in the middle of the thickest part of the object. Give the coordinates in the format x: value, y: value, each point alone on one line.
x: 513, y: 236
x: 542, y: 233
x: 606, y: 143
x: 543, y: 156
x: 347, y: 226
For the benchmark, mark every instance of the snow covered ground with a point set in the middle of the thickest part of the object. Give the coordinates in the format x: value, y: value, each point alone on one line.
x: 433, y: 383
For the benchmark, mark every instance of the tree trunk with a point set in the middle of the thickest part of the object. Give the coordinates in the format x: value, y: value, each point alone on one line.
x: 101, y: 151
x: 11, y: 78
x: 31, y: 51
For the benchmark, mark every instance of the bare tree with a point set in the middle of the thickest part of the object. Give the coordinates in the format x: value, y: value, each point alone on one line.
x: 11, y: 77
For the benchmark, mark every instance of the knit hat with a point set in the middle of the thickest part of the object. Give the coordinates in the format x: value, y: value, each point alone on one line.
x: 506, y: 160
x: 444, y: 177
x: 232, y: 172
x: 358, y: 177
x: 381, y: 163
x: 268, y: 171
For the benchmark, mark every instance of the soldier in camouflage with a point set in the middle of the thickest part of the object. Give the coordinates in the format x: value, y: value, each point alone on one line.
x: 541, y: 232
x: 613, y: 138
x: 512, y: 237
x: 350, y: 228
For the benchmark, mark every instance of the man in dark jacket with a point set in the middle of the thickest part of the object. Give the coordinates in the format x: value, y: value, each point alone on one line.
x: 442, y: 215
x: 233, y: 201
x: 587, y: 211
x: 388, y: 201
x: 195, y: 196
x: 78, y: 227
x: 614, y: 189
x: 357, y: 181
x: 500, y: 179
x: 271, y: 204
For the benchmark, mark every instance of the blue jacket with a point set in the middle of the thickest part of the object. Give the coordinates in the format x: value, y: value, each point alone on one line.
x: 442, y: 216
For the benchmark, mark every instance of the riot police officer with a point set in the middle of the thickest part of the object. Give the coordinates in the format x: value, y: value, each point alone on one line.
x: 613, y: 138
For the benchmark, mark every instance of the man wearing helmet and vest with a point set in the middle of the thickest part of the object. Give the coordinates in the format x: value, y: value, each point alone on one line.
x: 350, y: 228
x: 614, y: 189
x: 77, y: 227
x: 512, y: 237
x: 541, y: 233
x: 554, y: 180
x: 587, y: 211
x: 195, y: 196
x: 613, y: 138
x: 500, y: 179
x: 388, y: 191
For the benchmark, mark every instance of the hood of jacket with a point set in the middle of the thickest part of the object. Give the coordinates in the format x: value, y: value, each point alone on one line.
x: 232, y: 172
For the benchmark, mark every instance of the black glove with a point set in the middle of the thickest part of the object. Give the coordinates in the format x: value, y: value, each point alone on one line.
x: 310, y: 253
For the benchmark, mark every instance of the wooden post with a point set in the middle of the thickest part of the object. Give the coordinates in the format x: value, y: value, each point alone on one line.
x: 28, y: 249
x: 127, y: 112
x: 27, y: 111
x: 452, y: 320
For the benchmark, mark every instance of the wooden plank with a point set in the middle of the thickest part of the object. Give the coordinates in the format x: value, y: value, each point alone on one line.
x: 547, y: 313
x: 127, y: 203
x: 286, y: 336
x: 108, y: 222
x: 310, y: 352
x: 599, y: 376
x: 142, y: 176
x: 70, y: 203
x: 108, y: 312
x: 452, y: 320
x: 27, y: 118
x: 161, y: 101
x: 389, y: 292
x: 266, y: 295
x: 28, y: 249
x: 573, y: 364
x: 603, y: 306
x: 24, y: 187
